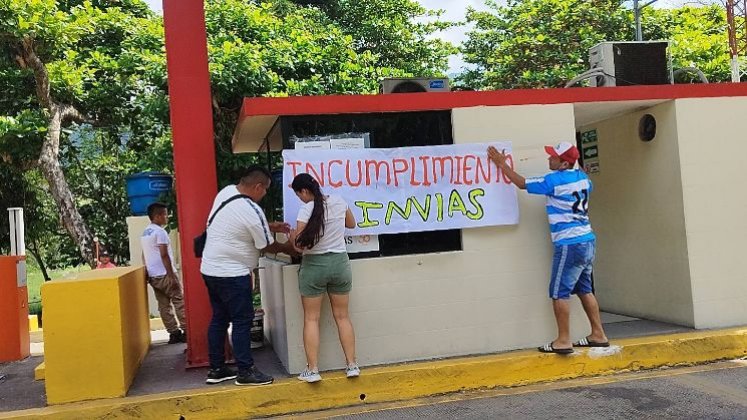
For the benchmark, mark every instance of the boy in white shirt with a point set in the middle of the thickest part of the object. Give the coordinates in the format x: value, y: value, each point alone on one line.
x: 159, y: 264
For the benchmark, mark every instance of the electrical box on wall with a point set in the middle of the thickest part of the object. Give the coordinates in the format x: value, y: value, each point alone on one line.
x: 415, y: 84
x: 631, y: 63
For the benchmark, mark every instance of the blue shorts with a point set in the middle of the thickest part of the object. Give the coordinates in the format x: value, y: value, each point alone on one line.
x: 571, y: 270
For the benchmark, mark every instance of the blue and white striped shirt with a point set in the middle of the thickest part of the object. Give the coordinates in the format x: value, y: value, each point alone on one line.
x: 567, y: 204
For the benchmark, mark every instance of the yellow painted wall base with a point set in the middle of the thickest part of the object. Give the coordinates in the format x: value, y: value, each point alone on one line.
x: 33, y: 323
x: 96, y: 333
x: 39, y: 372
x: 412, y: 380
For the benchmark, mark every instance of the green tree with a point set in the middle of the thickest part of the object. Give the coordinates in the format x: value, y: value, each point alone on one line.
x: 70, y: 67
x: 698, y: 37
x: 545, y: 43
x: 106, y: 59
x: 401, y: 33
x: 538, y: 43
x: 278, y: 50
x: 46, y: 241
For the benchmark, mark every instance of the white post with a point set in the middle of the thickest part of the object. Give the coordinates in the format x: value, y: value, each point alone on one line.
x: 735, y: 69
x: 17, y: 234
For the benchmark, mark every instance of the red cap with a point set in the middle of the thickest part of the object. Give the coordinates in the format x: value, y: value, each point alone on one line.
x: 564, y: 151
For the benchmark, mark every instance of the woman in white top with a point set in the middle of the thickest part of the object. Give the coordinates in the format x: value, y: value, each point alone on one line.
x: 325, y: 267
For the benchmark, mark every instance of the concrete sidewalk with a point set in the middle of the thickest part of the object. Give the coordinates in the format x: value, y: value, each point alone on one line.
x: 411, y: 380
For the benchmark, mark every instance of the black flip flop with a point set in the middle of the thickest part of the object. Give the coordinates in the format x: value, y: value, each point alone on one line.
x: 548, y: 348
x: 585, y: 342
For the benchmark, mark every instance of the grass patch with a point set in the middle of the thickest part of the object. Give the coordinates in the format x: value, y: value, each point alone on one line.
x: 34, y: 280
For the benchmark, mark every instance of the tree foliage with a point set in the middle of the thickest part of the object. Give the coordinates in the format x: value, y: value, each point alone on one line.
x: 68, y: 63
x: 277, y: 50
x: 46, y: 240
x: 538, y: 43
x: 698, y: 38
x: 401, y: 33
x: 545, y: 43
x: 106, y: 59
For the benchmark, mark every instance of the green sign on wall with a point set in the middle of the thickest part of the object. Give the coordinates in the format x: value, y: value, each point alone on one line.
x: 591, y: 152
x: 589, y: 137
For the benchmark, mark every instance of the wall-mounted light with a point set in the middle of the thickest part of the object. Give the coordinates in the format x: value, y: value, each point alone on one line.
x: 647, y: 127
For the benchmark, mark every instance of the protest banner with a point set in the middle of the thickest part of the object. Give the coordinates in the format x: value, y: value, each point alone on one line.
x: 409, y: 189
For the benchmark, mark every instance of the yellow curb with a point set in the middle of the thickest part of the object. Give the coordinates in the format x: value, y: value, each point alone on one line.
x: 39, y: 372
x: 371, y: 410
x: 411, y: 380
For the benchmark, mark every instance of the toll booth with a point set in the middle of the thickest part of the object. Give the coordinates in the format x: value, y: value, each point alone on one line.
x: 482, y: 290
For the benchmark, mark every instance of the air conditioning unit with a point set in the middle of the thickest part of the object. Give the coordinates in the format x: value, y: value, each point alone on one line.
x: 631, y: 63
x: 415, y: 84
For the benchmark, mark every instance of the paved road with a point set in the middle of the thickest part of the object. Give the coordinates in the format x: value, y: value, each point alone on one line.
x: 716, y: 391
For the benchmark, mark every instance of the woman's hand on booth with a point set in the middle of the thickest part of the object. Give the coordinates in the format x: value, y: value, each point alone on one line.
x: 278, y: 247
x: 291, y: 250
x: 293, y: 236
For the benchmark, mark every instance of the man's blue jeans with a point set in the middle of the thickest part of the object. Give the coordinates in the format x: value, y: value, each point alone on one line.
x: 231, y: 300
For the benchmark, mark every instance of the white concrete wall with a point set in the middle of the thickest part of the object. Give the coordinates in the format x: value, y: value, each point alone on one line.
x: 713, y: 150
x: 636, y: 209
x: 272, y: 290
x: 491, y: 296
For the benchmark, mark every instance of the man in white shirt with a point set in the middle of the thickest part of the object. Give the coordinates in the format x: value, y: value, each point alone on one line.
x: 159, y: 265
x: 237, y: 234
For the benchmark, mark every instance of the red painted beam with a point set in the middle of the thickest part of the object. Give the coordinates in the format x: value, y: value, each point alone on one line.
x: 408, y: 102
x: 194, y: 154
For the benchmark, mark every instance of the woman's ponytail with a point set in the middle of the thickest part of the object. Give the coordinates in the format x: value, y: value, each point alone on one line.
x: 314, y: 229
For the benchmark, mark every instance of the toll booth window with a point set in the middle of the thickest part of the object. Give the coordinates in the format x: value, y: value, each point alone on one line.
x: 387, y: 130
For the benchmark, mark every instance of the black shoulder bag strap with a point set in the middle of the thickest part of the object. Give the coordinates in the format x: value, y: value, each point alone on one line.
x: 223, y: 204
x: 199, y: 241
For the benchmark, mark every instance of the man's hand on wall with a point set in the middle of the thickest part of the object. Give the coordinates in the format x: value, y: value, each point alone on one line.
x: 497, y: 157
x: 279, y: 227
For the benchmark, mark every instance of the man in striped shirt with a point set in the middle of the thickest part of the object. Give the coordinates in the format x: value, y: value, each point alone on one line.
x: 567, y: 190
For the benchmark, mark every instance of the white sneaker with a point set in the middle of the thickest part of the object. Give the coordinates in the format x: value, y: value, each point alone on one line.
x: 310, y: 376
x: 352, y: 370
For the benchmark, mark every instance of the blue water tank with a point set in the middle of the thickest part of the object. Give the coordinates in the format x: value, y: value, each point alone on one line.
x: 144, y: 188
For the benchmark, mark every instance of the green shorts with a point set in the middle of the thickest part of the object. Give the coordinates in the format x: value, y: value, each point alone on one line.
x: 328, y: 272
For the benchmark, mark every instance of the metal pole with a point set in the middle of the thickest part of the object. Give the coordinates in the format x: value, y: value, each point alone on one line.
x: 637, y: 14
x: 17, y: 233
x: 191, y: 114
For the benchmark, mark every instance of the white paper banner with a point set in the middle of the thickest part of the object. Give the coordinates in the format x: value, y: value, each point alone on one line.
x: 409, y: 189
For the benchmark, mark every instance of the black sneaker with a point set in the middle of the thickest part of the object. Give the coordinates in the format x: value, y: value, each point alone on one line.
x: 177, y: 337
x: 253, y: 377
x: 219, y: 375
